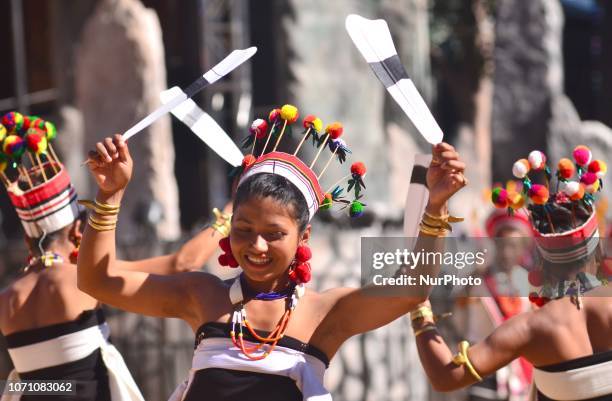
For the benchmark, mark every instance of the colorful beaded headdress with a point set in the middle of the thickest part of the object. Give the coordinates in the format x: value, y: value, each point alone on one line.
x: 563, y: 221
x: 297, y: 171
x: 38, y: 184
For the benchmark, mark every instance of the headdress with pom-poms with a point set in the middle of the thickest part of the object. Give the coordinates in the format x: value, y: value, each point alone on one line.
x: 278, y: 126
x: 562, y: 214
x: 37, y: 183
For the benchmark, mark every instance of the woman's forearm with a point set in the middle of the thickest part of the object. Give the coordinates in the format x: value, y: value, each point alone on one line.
x: 97, y: 253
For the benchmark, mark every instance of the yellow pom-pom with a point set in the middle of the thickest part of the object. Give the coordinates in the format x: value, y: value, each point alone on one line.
x: 289, y: 113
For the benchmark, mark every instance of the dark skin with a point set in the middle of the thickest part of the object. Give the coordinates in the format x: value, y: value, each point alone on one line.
x: 555, y: 333
x: 264, y: 244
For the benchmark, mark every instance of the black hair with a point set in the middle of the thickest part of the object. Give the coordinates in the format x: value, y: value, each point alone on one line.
x: 279, y: 188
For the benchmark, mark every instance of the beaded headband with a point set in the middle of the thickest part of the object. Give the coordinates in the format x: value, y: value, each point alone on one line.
x: 38, y: 185
x: 297, y: 171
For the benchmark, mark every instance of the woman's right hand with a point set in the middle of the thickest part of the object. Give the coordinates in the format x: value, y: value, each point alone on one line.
x: 111, y: 166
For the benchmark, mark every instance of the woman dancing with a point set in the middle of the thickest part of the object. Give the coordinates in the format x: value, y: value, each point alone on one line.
x: 281, y: 351
x: 568, y: 337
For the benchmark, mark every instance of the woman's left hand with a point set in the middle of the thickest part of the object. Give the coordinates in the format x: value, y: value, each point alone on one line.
x: 444, y: 175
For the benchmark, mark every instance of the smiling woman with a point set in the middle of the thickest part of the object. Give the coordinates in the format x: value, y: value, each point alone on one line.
x: 280, y: 352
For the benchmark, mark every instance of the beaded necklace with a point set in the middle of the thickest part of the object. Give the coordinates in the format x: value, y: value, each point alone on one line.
x: 575, y: 289
x: 239, y: 318
x: 47, y: 259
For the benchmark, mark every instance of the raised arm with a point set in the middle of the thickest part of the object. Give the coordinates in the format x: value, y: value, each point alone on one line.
x: 190, y: 257
x: 509, y: 341
x: 444, y: 178
x: 98, y: 272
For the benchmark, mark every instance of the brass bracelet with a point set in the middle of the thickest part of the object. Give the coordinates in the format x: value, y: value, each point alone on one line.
x: 99, y: 210
x: 222, y: 222
x: 462, y: 359
x: 422, y: 312
x: 103, y: 223
x: 425, y: 329
x: 435, y: 232
x: 440, y: 221
x: 100, y: 228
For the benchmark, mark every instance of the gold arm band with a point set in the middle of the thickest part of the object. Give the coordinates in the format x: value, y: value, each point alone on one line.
x: 103, y: 222
x: 425, y: 329
x: 422, y: 312
x: 462, y: 359
x: 101, y: 211
x: 222, y: 222
x: 100, y: 228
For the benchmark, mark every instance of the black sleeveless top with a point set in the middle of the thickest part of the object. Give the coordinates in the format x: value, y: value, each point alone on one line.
x: 221, y: 384
x: 90, y: 374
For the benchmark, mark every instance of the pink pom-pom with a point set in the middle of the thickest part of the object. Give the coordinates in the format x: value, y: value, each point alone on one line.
x: 537, y: 160
x: 538, y: 194
x: 274, y: 115
x: 499, y: 197
x: 582, y: 155
x: 588, y: 178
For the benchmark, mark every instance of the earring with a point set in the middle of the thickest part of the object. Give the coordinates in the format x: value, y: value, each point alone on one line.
x: 301, y: 272
x: 74, y: 255
x: 227, y: 258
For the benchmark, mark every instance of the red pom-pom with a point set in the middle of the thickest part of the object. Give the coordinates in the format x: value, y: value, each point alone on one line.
x: 535, y: 278
x: 274, y: 115
x: 248, y: 161
x: 259, y: 128
x: 334, y: 130
x: 231, y: 261
x: 358, y: 168
x: 534, y: 297
x: 303, y: 254
x: 539, y: 194
x: 223, y: 259
x: 224, y: 243
x: 302, y: 273
x: 606, y: 268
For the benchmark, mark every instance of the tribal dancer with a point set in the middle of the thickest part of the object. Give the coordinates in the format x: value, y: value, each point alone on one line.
x: 568, y: 337
x: 53, y: 330
x: 499, y: 299
x: 281, y: 351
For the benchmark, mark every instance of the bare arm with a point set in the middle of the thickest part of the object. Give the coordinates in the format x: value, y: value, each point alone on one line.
x: 505, y: 344
x: 191, y: 256
x: 98, y: 272
x: 375, y: 309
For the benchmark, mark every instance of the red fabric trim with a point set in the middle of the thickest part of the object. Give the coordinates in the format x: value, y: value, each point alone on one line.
x: 570, y: 238
x: 42, y: 192
x: 500, y: 219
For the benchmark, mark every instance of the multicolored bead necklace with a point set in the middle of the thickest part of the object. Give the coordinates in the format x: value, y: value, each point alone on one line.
x: 47, y: 259
x: 239, y: 318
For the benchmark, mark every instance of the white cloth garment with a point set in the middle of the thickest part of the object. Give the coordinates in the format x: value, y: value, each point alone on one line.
x: 576, y: 384
x: 306, y: 370
x: 73, y: 347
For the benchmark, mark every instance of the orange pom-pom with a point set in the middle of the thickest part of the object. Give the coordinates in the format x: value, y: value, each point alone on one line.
x: 313, y: 122
x: 598, y: 167
x: 248, y: 161
x: 539, y: 194
x: 566, y: 168
x: 516, y: 200
x: 334, y: 130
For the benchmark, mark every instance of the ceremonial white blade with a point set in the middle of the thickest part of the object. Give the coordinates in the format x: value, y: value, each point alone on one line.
x: 203, y: 126
x: 229, y: 63
x: 373, y: 40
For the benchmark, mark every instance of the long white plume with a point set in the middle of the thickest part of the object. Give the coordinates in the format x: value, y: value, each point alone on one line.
x: 373, y: 40
x: 224, y: 67
x: 203, y: 125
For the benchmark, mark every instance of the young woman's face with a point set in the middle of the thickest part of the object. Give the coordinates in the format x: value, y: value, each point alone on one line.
x: 264, y: 238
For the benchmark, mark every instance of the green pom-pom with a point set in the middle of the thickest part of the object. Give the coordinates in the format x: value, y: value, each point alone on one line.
x: 356, y: 209
x: 326, y: 204
x: 51, y: 131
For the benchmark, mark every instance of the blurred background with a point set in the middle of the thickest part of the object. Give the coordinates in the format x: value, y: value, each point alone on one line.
x: 502, y: 77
